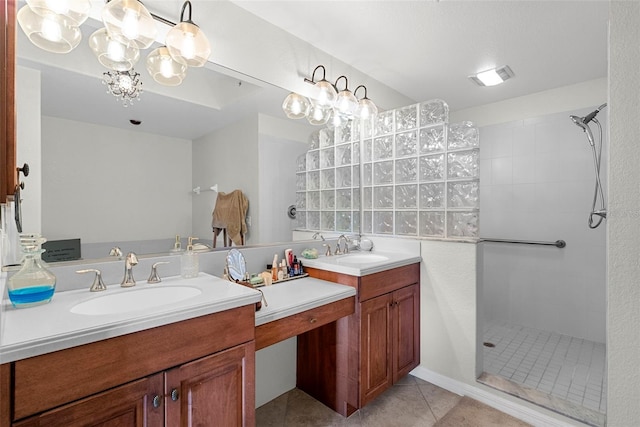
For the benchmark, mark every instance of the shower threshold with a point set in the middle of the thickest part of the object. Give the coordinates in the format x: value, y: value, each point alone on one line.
x: 548, y: 401
x: 562, y: 373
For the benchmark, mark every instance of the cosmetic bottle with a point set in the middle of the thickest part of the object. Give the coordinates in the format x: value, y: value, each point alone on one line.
x: 189, y: 263
x: 34, y: 284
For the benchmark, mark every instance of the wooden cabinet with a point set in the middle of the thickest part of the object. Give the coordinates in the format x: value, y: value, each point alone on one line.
x: 195, y: 372
x: 197, y: 393
x: 389, y: 344
x: 349, y: 363
x: 212, y: 391
x: 130, y: 405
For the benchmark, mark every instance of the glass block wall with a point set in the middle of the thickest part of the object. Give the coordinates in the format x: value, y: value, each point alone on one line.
x: 420, y: 176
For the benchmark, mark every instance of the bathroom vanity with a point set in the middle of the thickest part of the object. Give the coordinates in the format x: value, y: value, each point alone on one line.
x: 193, y: 359
x: 118, y: 365
x: 348, y: 363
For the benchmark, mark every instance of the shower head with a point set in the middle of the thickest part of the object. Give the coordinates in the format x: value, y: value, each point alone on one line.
x: 580, y: 121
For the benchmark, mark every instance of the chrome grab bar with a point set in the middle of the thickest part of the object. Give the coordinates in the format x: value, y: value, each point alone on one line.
x: 557, y: 243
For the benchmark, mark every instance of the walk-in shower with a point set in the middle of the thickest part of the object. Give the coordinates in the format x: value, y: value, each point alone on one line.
x: 543, y: 306
x: 596, y: 148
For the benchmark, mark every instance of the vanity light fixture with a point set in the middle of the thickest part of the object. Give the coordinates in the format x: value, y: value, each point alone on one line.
x: 366, y: 107
x: 326, y: 93
x: 118, y: 55
x: 346, y: 103
x: 125, y: 85
x: 187, y: 43
x: 493, y: 76
x: 328, y: 105
x: 129, y: 21
x: 318, y: 114
x: 54, y: 25
x: 164, y: 69
x: 296, y: 106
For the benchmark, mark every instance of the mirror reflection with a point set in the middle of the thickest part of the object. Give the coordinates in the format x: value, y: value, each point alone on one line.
x: 137, y: 176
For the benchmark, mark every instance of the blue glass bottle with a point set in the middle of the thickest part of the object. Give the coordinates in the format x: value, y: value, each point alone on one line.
x: 34, y: 284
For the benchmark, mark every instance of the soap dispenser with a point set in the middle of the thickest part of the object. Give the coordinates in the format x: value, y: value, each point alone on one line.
x: 189, y: 265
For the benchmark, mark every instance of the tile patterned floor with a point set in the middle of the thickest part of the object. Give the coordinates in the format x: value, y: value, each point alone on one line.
x: 411, y: 402
x: 560, y: 366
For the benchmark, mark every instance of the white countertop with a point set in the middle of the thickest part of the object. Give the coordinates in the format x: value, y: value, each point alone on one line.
x: 33, y: 331
x: 363, y: 267
x: 29, y: 332
x: 296, y: 296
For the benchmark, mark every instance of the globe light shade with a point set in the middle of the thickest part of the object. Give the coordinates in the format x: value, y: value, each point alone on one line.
x: 114, y: 54
x: 296, y: 106
x: 318, y: 114
x: 337, y: 119
x: 325, y: 93
x: 129, y: 21
x: 366, y: 108
x: 74, y: 11
x: 188, y: 45
x: 164, y: 69
x: 51, y: 32
x: 346, y: 103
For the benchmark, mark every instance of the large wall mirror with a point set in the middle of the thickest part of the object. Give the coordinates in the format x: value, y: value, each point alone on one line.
x: 100, y: 178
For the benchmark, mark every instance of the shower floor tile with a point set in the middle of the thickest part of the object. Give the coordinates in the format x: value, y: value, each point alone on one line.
x: 566, y: 367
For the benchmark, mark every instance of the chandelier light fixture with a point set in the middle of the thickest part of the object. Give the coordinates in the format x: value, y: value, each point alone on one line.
x: 327, y: 105
x: 53, y: 25
x: 125, y: 85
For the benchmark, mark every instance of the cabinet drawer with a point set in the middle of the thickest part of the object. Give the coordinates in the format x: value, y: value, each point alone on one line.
x: 278, y: 330
x: 377, y: 284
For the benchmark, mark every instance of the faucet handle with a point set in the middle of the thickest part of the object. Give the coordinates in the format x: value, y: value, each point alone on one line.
x: 115, y: 251
x: 153, y: 277
x: 98, y: 285
x: 328, y: 253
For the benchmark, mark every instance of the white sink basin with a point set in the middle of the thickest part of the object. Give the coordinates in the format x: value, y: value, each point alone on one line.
x: 361, y: 259
x: 135, y: 300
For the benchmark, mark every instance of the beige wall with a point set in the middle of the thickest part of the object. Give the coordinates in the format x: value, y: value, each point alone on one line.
x: 623, y: 340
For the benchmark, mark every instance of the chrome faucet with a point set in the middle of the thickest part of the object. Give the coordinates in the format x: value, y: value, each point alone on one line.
x: 346, y: 245
x: 130, y: 260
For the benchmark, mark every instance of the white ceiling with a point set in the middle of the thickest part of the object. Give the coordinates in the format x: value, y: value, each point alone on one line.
x: 427, y: 49
x: 423, y: 49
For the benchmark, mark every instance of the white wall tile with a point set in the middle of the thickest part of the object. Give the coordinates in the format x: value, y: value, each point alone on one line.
x: 542, y: 191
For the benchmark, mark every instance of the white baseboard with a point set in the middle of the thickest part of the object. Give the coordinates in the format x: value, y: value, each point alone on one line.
x: 520, y: 411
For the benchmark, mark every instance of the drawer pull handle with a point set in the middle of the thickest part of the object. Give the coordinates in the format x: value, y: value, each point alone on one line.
x: 174, y: 394
x: 157, y: 401
x: 313, y: 320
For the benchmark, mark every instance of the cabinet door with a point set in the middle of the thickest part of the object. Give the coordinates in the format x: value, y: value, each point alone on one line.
x: 375, y: 347
x: 215, y: 390
x: 406, y: 330
x: 130, y: 405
